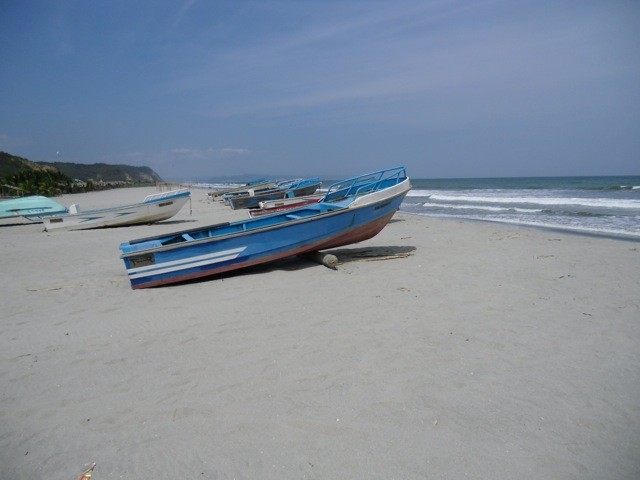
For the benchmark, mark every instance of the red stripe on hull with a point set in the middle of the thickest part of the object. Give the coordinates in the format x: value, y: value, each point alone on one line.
x: 360, y: 234
x: 356, y: 235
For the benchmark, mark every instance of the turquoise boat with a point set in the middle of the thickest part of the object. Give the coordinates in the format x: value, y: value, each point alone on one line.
x: 15, y: 209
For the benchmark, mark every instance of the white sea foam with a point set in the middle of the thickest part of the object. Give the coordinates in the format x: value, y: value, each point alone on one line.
x: 479, y: 207
x: 578, y: 228
x: 419, y: 193
x: 582, y: 206
x: 583, y: 228
x: 534, y: 200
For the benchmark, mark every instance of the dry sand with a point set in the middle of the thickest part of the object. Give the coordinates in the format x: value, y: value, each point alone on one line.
x: 489, y: 352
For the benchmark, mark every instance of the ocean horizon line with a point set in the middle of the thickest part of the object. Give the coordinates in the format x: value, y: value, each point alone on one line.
x: 243, y: 178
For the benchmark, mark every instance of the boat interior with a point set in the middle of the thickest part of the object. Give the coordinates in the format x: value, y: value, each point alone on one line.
x: 222, y: 229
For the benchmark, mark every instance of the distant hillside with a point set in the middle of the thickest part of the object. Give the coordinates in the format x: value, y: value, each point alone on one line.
x: 98, y: 172
x: 106, y: 173
x: 12, y: 164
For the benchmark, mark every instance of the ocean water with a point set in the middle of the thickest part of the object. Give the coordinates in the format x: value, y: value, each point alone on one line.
x: 608, y: 206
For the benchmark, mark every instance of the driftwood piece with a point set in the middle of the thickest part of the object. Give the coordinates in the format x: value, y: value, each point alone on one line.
x: 326, y: 259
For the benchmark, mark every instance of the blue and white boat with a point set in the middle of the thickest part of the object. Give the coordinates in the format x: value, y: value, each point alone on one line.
x: 17, y: 210
x: 154, y: 208
x: 285, y: 189
x: 351, y: 211
x: 223, y: 192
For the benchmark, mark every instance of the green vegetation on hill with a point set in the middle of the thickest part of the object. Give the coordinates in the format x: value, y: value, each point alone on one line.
x: 41, y: 178
x: 106, y: 173
x: 31, y: 178
x: 12, y: 164
x: 40, y: 182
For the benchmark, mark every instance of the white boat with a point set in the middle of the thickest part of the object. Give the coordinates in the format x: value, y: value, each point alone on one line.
x: 154, y: 208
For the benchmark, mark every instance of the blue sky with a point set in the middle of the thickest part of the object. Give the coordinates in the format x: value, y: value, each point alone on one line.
x: 199, y: 89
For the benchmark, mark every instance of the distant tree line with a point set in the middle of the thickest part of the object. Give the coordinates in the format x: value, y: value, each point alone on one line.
x: 44, y: 182
x: 48, y: 179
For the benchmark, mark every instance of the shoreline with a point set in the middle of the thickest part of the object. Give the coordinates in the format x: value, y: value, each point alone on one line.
x: 569, y: 231
x: 484, y: 350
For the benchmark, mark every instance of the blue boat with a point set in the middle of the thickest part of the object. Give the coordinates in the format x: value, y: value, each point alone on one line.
x: 16, y: 208
x: 225, y: 192
x: 351, y: 211
x: 286, y: 189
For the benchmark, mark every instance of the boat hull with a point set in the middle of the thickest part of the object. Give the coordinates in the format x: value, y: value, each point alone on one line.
x: 161, y: 207
x: 212, y: 256
x: 18, y: 220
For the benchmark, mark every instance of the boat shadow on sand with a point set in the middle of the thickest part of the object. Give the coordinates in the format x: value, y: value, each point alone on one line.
x: 175, y: 221
x: 371, y: 254
x: 299, y: 263
x: 344, y: 255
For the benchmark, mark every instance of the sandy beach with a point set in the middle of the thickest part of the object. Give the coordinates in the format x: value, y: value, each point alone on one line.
x: 438, y: 349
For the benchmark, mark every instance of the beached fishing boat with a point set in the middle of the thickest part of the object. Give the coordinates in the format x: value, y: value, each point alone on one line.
x: 250, y: 192
x: 17, y: 210
x: 221, y: 193
x: 276, y: 206
x: 351, y: 211
x: 287, y: 189
x: 154, y: 208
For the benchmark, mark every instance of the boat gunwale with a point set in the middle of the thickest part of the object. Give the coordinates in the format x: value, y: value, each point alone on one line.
x: 372, y: 179
x: 154, y: 197
x: 290, y: 221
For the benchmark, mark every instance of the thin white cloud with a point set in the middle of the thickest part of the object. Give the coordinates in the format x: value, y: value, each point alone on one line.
x: 383, y: 57
x: 184, y: 9
x: 182, y: 150
x: 234, y: 151
x: 60, y: 30
x: 188, y: 152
